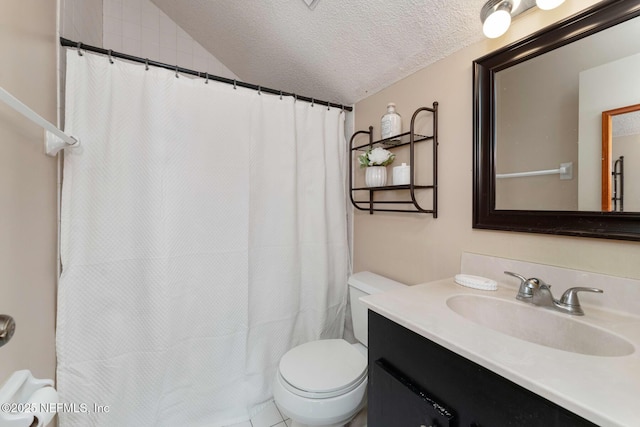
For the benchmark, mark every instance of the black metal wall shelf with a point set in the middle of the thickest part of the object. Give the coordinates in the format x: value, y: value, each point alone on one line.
x: 393, y: 141
x: 407, y: 138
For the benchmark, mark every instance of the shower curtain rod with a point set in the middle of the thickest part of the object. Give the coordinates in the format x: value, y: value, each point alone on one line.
x: 81, y: 46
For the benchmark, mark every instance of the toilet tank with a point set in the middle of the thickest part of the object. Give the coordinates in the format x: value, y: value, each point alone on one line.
x: 363, y: 284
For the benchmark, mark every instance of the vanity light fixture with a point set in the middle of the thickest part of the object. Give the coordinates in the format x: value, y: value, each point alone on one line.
x: 496, y: 14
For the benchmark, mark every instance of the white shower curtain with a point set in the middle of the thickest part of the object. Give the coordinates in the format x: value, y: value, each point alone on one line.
x: 203, y: 234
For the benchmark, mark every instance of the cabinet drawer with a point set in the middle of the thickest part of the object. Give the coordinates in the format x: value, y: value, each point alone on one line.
x: 395, y: 401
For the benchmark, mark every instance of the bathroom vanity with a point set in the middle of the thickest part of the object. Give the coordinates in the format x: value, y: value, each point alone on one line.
x: 414, y: 381
x: 432, y: 363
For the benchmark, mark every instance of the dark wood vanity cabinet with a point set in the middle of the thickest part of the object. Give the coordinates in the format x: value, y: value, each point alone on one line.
x: 416, y: 382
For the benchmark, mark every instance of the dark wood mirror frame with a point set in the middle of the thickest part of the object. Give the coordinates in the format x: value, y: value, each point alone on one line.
x: 609, y: 225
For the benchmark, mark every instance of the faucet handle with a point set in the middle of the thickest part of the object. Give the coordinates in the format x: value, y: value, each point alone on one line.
x: 570, y: 296
x: 522, y: 278
x: 569, y: 300
x: 527, y: 286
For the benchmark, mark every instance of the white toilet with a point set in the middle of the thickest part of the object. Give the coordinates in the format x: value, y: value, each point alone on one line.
x: 324, y: 382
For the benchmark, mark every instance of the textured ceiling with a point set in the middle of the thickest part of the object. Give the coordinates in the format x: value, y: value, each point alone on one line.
x: 626, y: 124
x: 342, y: 51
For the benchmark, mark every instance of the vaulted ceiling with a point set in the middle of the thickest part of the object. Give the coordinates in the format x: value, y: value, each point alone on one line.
x: 342, y: 51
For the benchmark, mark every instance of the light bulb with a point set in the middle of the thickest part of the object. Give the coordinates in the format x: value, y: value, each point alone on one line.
x: 548, y: 4
x: 496, y: 24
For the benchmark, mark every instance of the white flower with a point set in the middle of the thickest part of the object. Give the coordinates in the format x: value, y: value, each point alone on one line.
x: 376, y: 157
x: 379, y: 156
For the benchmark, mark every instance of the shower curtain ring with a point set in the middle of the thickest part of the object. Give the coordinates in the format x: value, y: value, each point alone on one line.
x: 295, y: 98
x: 280, y: 95
x: 328, y: 106
x: 259, y: 93
x: 177, y: 76
x: 234, y: 84
x: 146, y: 64
x: 80, y: 49
x: 110, y: 58
x: 207, y: 79
x: 312, y: 101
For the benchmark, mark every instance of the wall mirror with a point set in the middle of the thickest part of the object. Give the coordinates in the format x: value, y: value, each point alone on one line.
x: 539, y: 141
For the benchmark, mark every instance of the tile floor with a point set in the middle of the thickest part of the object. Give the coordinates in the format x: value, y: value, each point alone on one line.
x: 271, y: 416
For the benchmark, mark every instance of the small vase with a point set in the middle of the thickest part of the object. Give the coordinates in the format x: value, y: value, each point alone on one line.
x: 376, y: 176
x: 391, y: 123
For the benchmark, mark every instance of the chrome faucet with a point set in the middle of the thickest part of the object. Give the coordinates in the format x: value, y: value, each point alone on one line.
x: 535, y: 291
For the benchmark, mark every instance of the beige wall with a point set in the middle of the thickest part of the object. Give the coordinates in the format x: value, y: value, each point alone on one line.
x: 417, y: 248
x: 28, y: 188
x: 545, y: 107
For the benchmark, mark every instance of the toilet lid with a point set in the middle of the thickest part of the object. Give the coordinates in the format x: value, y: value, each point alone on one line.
x: 323, y: 366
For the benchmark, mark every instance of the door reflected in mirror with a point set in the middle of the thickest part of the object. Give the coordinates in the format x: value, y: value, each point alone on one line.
x: 620, y: 159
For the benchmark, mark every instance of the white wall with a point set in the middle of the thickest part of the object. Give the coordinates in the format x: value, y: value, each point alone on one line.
x: 136, y: 27
x: 81, y: 20
x: 609, y: 86
x: 140, y: 28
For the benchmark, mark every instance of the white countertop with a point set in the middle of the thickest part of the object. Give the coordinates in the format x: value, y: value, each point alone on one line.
x: 604, y: 390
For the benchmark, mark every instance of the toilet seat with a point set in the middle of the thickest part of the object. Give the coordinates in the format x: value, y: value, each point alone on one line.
x: 322, y: 369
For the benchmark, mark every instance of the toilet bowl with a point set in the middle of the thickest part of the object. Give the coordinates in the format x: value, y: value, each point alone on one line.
x: 323, y: 383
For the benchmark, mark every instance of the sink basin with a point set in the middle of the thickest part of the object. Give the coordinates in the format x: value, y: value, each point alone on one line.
x: 539, y: 326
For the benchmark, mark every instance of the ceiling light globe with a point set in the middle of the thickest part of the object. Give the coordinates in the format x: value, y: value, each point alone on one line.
x: 548, y: 4
x: 496, y: 24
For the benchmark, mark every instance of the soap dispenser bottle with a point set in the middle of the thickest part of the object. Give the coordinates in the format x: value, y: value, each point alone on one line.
x: 391, y: 123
